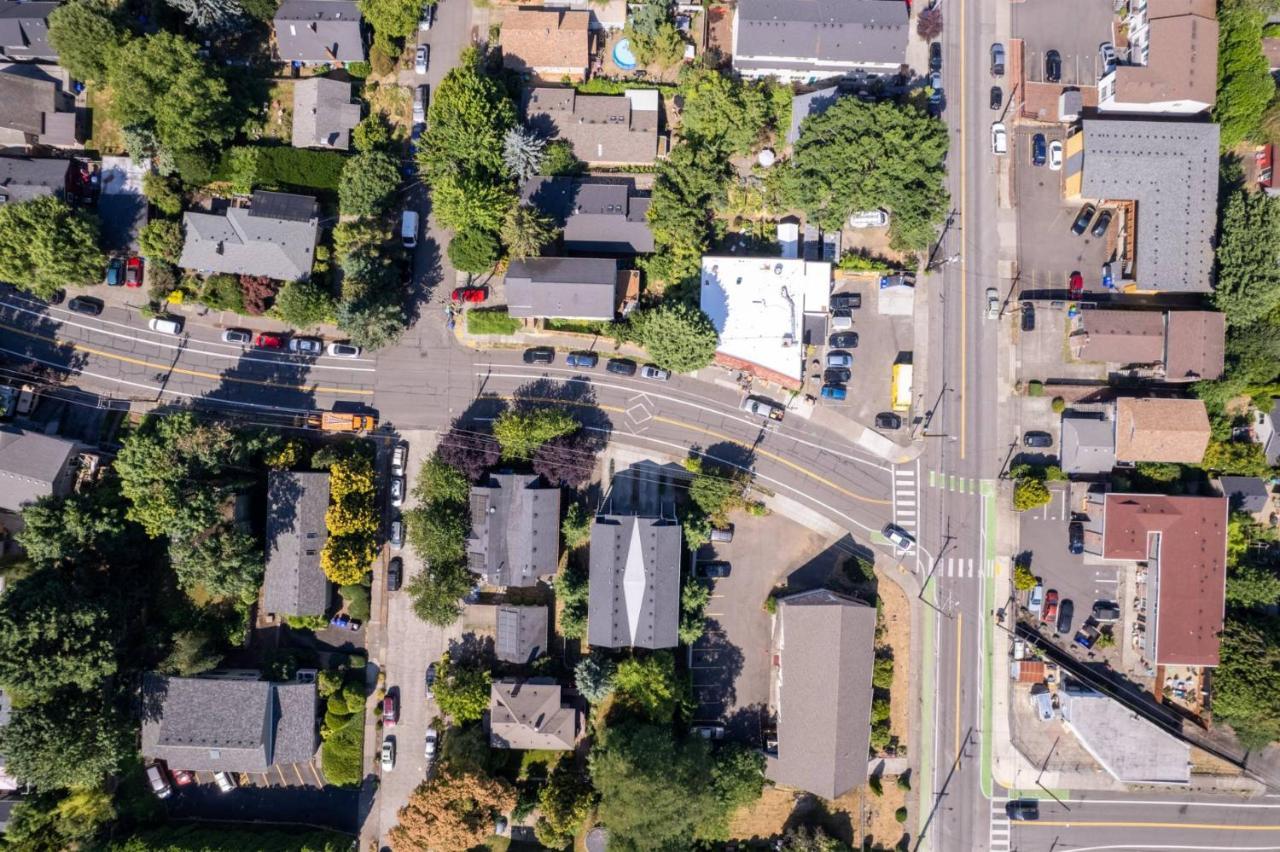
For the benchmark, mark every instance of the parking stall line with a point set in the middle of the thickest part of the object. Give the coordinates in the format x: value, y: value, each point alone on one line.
x: 280, y: 772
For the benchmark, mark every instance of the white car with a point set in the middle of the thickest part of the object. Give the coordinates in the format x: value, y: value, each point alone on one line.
x: 1055, y: 155
x: 999, y: 139
x: 993, y: 303
x: 344, y: 350
x: 398, y: 456
x: 1036, y: 601
x: 420, y: 59
x: 428, y: 17
x: 397, y: 492
x: 166, y: 325
x: 388, y: 759
x: 869, y: 219
x: 1107, y: 51
x: 839, y: 359
x: 237, y: 335
x: 306, y: 345
x: 430, y: 751
x: 649, y: 371
x: 899, y: 537
x: 224, y: 781
x: 841, y: 321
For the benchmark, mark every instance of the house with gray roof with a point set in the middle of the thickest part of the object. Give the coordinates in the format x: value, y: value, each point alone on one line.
x: 603, y: 129
x: 825, y: 646
x: 810, y: 40
x: 1088, y: 445
x: 563, y: 287
x: 312, y: 32
x: 515, y: 530
x: 595, y: 217
x: 1266, y: 431
x: 1247, y: 494
x: 809, y: 104
x: 1170, y: 170
x: 25, y: 178
x: 24, y: 31
x: 532, y: 714
x: 323, y: 113
x: 521, y: 633
x: 294, y: 583
x: 34, y: 110
x: 275, y: 236
x: 227, y: 725
x: 634, y: 599
x: 33, y: 465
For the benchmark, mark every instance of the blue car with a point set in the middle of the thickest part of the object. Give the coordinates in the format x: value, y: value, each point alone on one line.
x: 115, y: 272
x: 1038, y: 150
x: 582, y: 359
x: 833, y: 392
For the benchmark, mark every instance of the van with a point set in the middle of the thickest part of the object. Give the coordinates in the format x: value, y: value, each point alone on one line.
x: 409, y: 228
x: 166, y: 325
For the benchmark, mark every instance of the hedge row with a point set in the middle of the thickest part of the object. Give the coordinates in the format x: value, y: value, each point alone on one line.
x: 281, y: 166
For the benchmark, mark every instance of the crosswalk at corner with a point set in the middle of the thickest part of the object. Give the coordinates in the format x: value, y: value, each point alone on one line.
x: 906, y: 497
x: 1001, y: 829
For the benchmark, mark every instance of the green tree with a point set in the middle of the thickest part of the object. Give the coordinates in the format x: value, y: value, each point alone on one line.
x: 462, y: 690
x: 469, y: 116
x: 724, y: 112
x: 303, y: 304
x: 572, y: 591
x: 1023, y: 579
x: 1248, y: 256
x: 576, y: 527
x: 368, y: 183
x: 163, y: 192
x: 73, y: 740
x: 373, y: 133
x: 1238, y: 458
x: 1029, y: 494
x: 86, y: 38
x: 1252, y: 576
x: 805, y: 840
x: 161, y: 82
x: 694, y: 598
x: 225, y: 563
x: 559, y: 160
x: 372, y: 323
x: 57, y: 529
x: 689, y: 184
x: 1245, y: 86
x: 565, y: 802
x: 1244, y: 692
x: 161, y: 239
x: 593, y: 676
x: 737, y: 777
x: 649, y: 686
x: 393, y: 19
x: 474, y: 250
x: 677, y: 336
x: 520, y: 433
x: 46, y: 245
x: 863, y: 156
x: 467, y: 202
x: 526, y: 231
x: 194, y: 651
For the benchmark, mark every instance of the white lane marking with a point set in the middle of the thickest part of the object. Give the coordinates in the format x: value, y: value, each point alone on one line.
x: 1178, y: 803
x: 970, y: 574
x: 1147, y: 847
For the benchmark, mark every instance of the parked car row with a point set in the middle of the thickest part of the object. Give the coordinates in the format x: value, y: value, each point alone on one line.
x: 279, y: 341
x: 162, y: 779
x: 124, y: 272
x: 585, y: 360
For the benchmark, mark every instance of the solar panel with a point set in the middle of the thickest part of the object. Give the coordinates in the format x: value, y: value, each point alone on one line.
x: 283, y: 205
x: 508, y: 633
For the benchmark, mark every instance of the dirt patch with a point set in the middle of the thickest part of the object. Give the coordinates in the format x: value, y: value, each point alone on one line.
x: 279, y: 123
x: 896, y: 612
x: 107, y: 138
x: 856, y: 817
x: 395, y: 102
x: 764, y: 818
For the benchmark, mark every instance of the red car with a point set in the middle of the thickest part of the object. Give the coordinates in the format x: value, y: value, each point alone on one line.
x: 182, y: 777
x: 470, y: 294
x: 269, y: 340
x: 1077, y: 284
x: 1050, y: 611
x: 390, y: 711
x: 133, y: 272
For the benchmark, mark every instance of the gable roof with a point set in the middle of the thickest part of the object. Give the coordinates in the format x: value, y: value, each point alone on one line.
x: 323, y: 113
x: 25, y: 178
x: 824, y: 697
x: 1190, y: 566
x: 245, y: 241
x: 294, y: 583
x: 1245, y: 493
x: 531, y: 715
x: 821, y: 36
x: 515, y: 530
x: 24, y: 30
x: 521, y: 633
x: 634, y: 582
x: 1195, y: 345
x: 568, y: 287
x: 30, y: 105
x: 1120, y: 337
x: 811, y: 103
x: 31, y: 465
x: 318, y: 31
x: 601, y: 128
x: 219, y: 724
x: 1182, y: 57
x: 1088, y: 445
x: 553, y: 41
x: 596, y: 217
x: 1171, y: 170
x: 1161, y: 430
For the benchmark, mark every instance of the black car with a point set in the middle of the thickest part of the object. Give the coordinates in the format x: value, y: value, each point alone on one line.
x: 1037, y: 439
x: 1066, y: 610
x: 888, y: 420
x: 1100, y: 226
x: 431, y: 678
x: 1023, y: 809
x: 539, y: 355
x: 1082, y: 219
x: 1039, y: 150
x: 1028, y: 316
x: 843, y: 340
x: 621, y: 366
x: 86, y: 305
x: 845, y: 301
x: 1052, y: 67
x: 997, y: 97
x: 836, y: 375
x: 711, y: 570
x: 58, y: 297
x: 1075, y: 538
x: 935, y: 56
x: 395, y: 573
x: 582, y: 359
x: 1106, y: 611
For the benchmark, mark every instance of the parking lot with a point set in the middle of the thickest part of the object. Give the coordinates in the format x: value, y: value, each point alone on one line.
x: 304, y: 804
x: 1044, y: 353
x: 1074, y: 30
x: 291, y: 775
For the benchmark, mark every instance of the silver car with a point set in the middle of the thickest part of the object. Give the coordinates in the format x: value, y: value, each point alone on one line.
x: 839, y: 359
x: 649, y: 371
x: 388, y: 757
x: 237, y: 335
x: 899, y: 537
x: 420, y: 59
x: 397, y: 492
x: 397, y: 533
x: 306, y: 345
x: 993, y: 303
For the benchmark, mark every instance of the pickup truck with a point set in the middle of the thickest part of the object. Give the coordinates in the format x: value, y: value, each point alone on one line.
x: 763, y: 408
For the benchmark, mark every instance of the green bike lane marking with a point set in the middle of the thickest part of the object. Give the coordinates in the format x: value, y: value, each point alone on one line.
x: 927, y: 703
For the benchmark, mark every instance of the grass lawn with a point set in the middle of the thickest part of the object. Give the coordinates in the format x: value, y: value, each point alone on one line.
x: 581, y: 326
x: 491, y: 321
x: 107, y: 138
x: 279, y: 123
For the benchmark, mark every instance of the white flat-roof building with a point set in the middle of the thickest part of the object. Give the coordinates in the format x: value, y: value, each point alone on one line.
x: 1132, y: 749
x: 757, y: 305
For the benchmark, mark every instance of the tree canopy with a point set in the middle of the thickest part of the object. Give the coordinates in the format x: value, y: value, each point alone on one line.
x: 1248, y: 255
x: 462, y: 689
x: 453, y: 811
x: 393, y: 19
x: 368, y: 182
x: 1244, y: 691
x: 69, y: 739
x: 689, y: 184
x: 677, y: 336
x: 46, y: 245
x: 1245, y: 86
x: 526, y: 231
x: 85, y: 37
x: 649, y: 686
x: 521, y: 433
x: 469, y: 117
x: 729, y: 114
x: 474, y: 250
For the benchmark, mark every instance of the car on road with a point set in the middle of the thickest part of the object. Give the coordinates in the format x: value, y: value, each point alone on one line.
x: 420, y: 59
x: 997, y: 60
x: 935, y: 102
x: 621, y: 366
x: 722, y: 533
x: 166, y: 325
x: 888, y: 420
x: 709, y: 732
x: 836, y: 392
x: 390, y: 710
x: 420, y: 97
x: 582, y: 359
x: 1037, y: 439
x: 1101, y: 224
x: 654, y: 373
x: 344, y: 350
x: 1039, y: 150
x: 836, y: 375
x: 935, y: 82
x: 395, y: 574
x: 133, y: 272
x: 1055, y: 155
x: 1106, y: 611
x: 1035, y: 602
x: 473, y: 295
x: 1053, y: 67
x: 269, y: 340
x: 388, y: 756
x: 935, y: 56
x: 1050, y: 610
x: 86, y: 305
x: 159, y: 780
x: 1022, y: 810
x: 846, y: 301
x: 843, y: 340
x: 841, y: 320
x: 869, y: 219
x: 539, y: 355
x: 397, y: 491
x: 431, y: 678
x: 1075, y: 285
x: 1107, y: 53
x: 409, y: 229
x: 839, y: 359
x: 399, y: 455
x: 428, y: 17
x: 997, y: 97
x: 1107, y: 281
x: 711, y: 570
x: 993, y: 303
x: 429, y: 750
x: 899, y: 537
x: 242, y: 336
x: 306, y: 345
x: 999, y: 139
x: 115, y: 272
x: 1075, y: 538
x: 763, y: 408
x: 1066, y: 611
x: 397, y: 533
x: 1028, y: 316
x: 224, y: 781
x: 1082, y: 220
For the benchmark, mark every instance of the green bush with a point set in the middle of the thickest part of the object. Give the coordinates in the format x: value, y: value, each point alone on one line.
x: 223, y: 293
x: 306, y: 622
x: 771, y: 604
x: 1029, y: 494
x: 1058, y: 405
x: 357, y: 601
x: 491, y: 321
x: 900, y: 814
x: 359, y: 70
x: 342, y: 754
x: 281, y: 166
x: 1035, y: 388
x: 876, y: 784
x: 474, y: 250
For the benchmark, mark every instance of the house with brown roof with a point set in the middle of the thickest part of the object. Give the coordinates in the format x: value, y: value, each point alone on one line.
x: 614, y: 130
x: 1175, y: 346
x: 1172, y: 63
x: 548, y: 43
x: 532, y: 714
x: 1161, y: 430
x: 1183, y: 540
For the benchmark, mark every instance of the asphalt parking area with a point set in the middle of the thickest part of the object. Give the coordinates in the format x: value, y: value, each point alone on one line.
x: 273, y: 796
x: 1074, y: 30
x: 881, y: 339
x: 288, y: 775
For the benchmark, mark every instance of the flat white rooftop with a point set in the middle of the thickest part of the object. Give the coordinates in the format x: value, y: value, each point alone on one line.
x: 757, y: 305
x: 1132, y: 749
